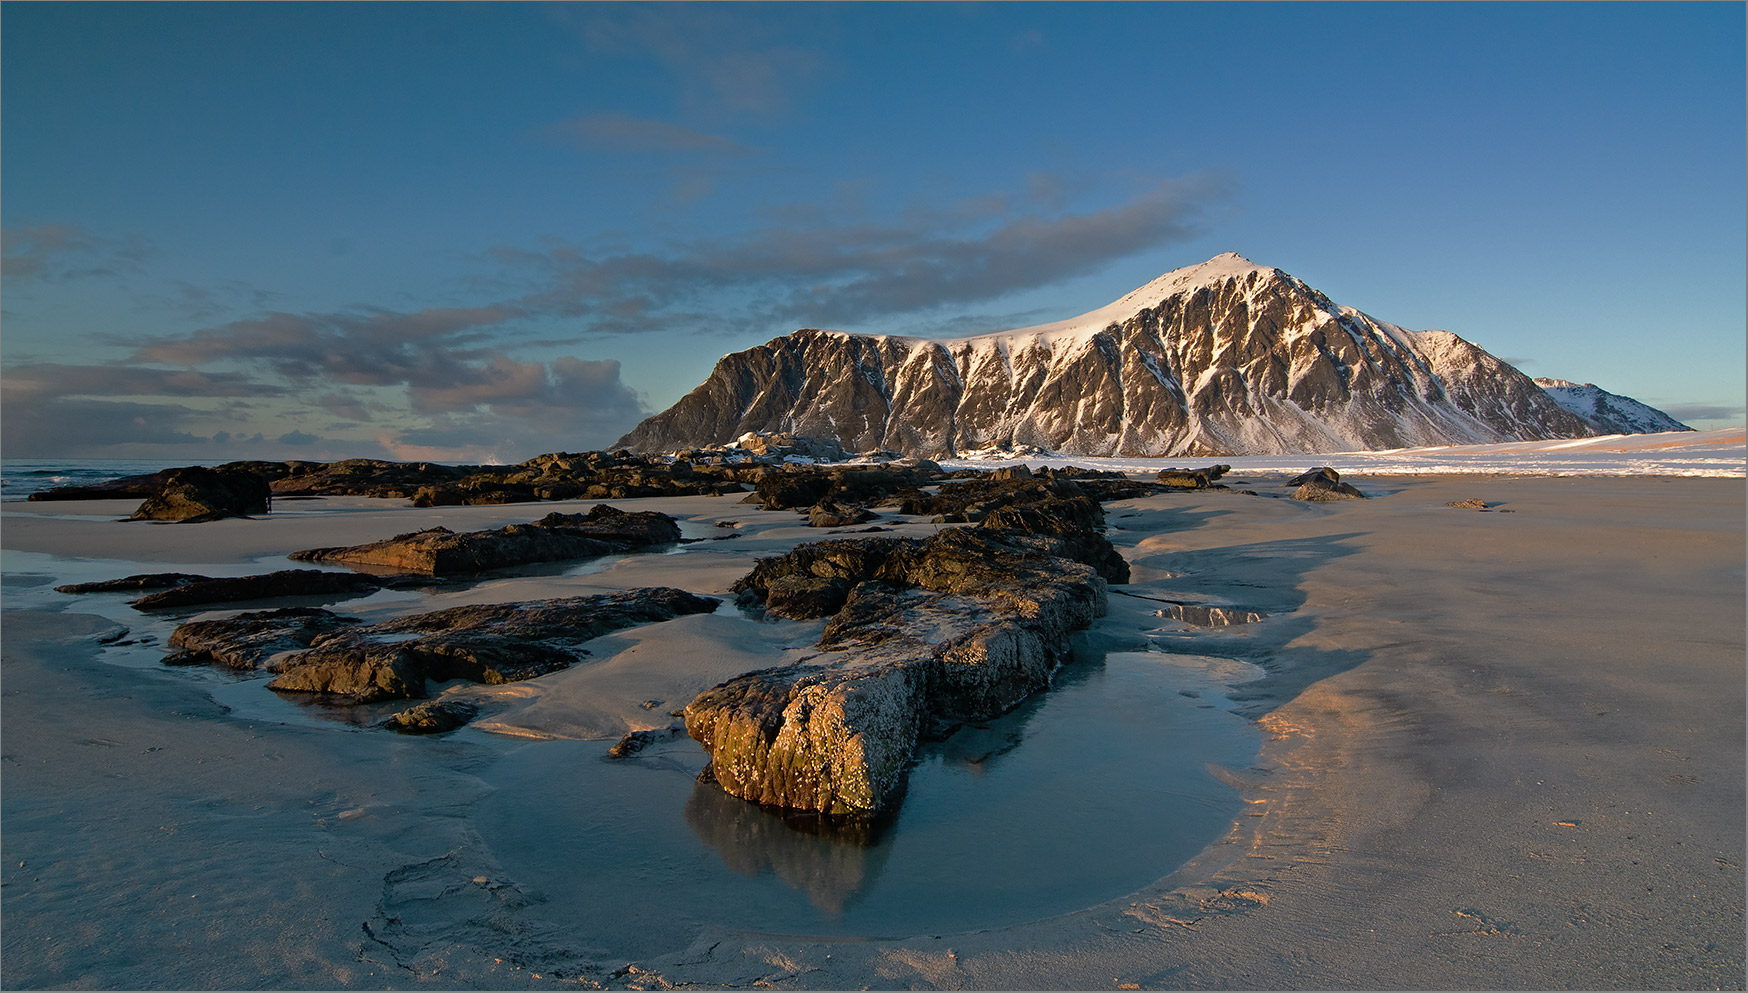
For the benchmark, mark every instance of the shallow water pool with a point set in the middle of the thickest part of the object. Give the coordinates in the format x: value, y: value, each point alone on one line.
x: 1082, y: 795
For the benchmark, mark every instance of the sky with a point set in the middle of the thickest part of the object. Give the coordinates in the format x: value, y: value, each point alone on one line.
x: 482, y: 232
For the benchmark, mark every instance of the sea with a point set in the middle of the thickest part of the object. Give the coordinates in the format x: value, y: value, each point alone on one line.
x: 19, y: 478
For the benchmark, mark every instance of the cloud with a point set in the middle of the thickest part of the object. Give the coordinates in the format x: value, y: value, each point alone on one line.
x: 1705, y: 411
x: 55, y: 252
x: 824, y: 274
x: 620, y: 133
x: 295, y: 437
x: 717, y: 59
x: 36, y: 380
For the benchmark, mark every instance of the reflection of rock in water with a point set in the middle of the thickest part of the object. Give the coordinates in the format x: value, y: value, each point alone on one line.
x: 977, y: 746
x: 829, y: 858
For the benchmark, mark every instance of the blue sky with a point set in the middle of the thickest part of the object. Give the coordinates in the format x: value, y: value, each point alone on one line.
x: 466, y: 232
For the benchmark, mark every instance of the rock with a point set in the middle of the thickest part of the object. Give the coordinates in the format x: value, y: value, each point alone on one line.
x: 248, y: 640
x: 1322, y: 490
x: 555, y: 537
x: 284, y: 583
x: 1323, y: 472
x: 831, y: 515
x: 806, y: 597
x: 1470, y: 504
x: 1192, y: 479
x: 432, y: 717
x: 195, y: 494
x: 637, y: 741
x: 961, y: 626
x: 483, y: 643
x: 126, y: 488
x: 127, y: 584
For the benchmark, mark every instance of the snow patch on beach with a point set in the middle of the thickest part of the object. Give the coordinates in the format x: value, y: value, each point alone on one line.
x: 1723, y: 452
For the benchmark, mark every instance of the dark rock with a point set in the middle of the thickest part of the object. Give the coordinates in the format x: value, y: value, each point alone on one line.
x: 284, y: 583
x: 806, y: 597
x: 432, y: 717
x: 1324, y: 473
x: 637, y: 741
x: 247, y: 641
x: 196, y: 493
x: 1322, y: 489
x: 831, y: 515
x: 555, y: 537
x: 1472, y: 503
x: 128, y: 584
x: 483, y: 643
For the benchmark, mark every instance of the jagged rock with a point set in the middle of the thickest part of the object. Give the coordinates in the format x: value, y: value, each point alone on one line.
x: 284, y: 583
x: 196, y: 493
x: 484, y: 643
x: 1226, y: 357
x: 555, y: 537
x: 960, y: 626
x: 1322, y: 472
x: 432, y: 717
x: 248, y: 640
x: 1473, y: 503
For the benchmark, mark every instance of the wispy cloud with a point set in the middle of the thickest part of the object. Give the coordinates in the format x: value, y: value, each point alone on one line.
x: 1705, y: 411
x: 53, y: 252
x: 620, y: 133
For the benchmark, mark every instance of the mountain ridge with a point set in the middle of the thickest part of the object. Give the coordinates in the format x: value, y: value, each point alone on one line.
x: 1224, y: 357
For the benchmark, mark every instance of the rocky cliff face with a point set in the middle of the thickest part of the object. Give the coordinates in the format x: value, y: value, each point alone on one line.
x: 1609, y: 413
x: 1226, y: 357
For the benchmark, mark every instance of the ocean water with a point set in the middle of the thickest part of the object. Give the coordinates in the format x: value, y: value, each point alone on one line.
x: 19, y: 478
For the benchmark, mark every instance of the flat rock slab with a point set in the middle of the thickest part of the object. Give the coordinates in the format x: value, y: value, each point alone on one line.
x: 554, y: 538
x: 483, y: 643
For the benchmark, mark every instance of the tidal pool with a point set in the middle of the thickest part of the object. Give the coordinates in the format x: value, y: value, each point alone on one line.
x: 1082, y: 795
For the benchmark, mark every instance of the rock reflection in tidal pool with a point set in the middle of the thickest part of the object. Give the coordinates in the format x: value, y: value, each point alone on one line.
x: 1082, y: 795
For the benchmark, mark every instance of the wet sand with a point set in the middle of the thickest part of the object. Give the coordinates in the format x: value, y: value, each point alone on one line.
x: 1500, y: 750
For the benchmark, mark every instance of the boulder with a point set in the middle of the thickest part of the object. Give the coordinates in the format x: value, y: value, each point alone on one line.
x: 432, y: 717
x: 248, y: 640
x: 196, y: 493
x: 831, y: 515
x: 1320, y: 489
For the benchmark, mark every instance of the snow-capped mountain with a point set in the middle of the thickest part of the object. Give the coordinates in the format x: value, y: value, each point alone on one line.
x: 1226, y: 357
x: 1609, y: 413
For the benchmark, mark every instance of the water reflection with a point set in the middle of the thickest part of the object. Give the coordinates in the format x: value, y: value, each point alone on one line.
x: 830, y: 858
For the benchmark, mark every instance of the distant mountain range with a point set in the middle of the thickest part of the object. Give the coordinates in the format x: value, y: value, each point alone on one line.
x: 1609, y: 413
x: 1226, y: 357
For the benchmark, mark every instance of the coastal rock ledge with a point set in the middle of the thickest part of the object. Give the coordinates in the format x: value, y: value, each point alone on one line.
x: 925, y: 635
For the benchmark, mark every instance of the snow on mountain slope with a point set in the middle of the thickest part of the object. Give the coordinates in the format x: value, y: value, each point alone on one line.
x: 1226, y: 357
x: 1609, y: 413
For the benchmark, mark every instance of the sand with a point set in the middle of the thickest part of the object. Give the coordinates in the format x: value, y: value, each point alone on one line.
x: 1501, y: 750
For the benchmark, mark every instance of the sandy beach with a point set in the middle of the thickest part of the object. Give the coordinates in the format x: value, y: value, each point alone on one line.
x: 1499, y: 749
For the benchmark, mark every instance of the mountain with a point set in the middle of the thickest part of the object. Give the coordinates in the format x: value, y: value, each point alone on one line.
x: 1226, y: 357
x: 1609, y: 413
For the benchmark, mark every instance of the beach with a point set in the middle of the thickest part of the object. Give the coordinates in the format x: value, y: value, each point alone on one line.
x: 1487, y: 749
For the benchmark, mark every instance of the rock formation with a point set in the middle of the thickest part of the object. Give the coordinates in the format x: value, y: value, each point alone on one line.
x: 924, y: 634
x: 554, y: 538
x: 196, y: 493
x: 1226, y: 357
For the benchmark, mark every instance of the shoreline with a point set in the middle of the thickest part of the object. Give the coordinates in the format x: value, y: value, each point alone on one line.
x: 1422, y: 675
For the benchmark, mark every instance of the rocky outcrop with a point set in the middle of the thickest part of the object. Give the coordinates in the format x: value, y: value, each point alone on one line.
x: 1192, y: 479
x: 924, y: 634
x: 1226, y: 357
x: 556, y: 537
x: 482, y: 643
x: 432, y: 717
x: 196, y: 493
x: 199, y: 591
